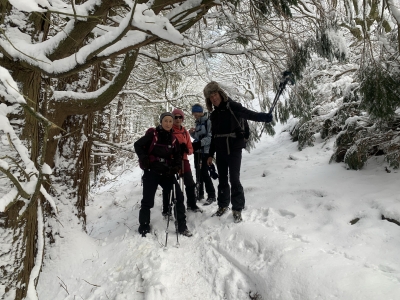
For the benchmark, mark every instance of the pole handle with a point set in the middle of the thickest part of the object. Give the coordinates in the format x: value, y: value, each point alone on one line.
x: 287, y: 77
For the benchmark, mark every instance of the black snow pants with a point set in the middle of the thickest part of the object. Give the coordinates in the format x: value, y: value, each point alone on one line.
x: 190, y: 188
x: 151, y: 180
x: 202, y: 176
x: 230, y: 164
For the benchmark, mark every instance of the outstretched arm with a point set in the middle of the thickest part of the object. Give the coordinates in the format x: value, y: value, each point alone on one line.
x: 248, y: 114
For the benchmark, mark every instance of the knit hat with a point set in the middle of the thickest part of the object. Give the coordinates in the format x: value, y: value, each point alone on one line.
x: 178, y: 111
x: 210, y: 88
x: 165, y: 114
x: 197, y: 108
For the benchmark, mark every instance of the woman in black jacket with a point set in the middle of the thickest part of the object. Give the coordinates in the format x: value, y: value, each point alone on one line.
x: 159, y: 157
x: 228, y: 140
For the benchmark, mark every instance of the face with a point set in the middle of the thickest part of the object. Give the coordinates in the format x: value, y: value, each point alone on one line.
x: 215, y: 99
x: 166, y: 123
x: 197, y: 115
x: 178, y: 120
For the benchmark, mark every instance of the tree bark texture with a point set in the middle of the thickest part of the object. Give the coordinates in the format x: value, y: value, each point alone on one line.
x: 68, y: 118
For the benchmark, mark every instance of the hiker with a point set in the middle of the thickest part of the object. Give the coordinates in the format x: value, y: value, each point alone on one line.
x: 159, y: 157
x: 201, y: 134
x: 227, y: 121
x: 185, y: 143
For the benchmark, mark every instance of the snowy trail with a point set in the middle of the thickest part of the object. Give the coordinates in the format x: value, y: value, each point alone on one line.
x: 296, y: 241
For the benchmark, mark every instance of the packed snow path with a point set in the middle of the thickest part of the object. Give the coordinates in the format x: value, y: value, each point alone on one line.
x: 296, y: 241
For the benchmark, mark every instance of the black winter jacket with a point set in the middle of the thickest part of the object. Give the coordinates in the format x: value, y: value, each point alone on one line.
x: 223, y: 123
x: 163, y: 159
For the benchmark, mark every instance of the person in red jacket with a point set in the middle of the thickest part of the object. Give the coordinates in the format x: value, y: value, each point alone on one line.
x: 183, y: 137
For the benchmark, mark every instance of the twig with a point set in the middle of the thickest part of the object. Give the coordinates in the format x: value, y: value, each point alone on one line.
x: 91, y: 283
x: 63, y: 285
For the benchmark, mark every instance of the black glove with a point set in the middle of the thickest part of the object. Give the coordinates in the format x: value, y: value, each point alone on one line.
x: 144, y: 162
x: 174, y: 170
x: 184, y: 148
x: 265, y: 117
x: 196, y: 145
x: 213, y: 172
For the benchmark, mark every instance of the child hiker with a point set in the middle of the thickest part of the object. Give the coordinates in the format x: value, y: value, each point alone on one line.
x: 159, y: 157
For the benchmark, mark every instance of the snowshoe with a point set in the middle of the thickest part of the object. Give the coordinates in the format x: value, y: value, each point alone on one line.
x: 237, y: 216
x: 220, y: 211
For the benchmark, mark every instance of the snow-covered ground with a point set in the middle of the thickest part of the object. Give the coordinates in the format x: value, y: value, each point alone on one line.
x: 296, y: 240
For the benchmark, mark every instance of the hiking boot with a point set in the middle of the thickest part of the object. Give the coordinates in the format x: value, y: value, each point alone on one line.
x: 186, y: 232
x: 220, y: 211
x: 144, y: 229
x: 200, y: 197
x: 210, y: 200
x: 194, y: 209
x: 237, y: 216
x: 166, y: 214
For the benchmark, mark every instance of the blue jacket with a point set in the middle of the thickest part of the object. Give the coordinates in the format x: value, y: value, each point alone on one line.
x: 202, y: 133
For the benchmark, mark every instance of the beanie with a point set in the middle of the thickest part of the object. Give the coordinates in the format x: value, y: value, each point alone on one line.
x: 165, y: 114
x: 178, y: 111
x: 197, y: 108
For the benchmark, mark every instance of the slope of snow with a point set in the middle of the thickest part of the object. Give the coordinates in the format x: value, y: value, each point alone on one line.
x: 296, y: 240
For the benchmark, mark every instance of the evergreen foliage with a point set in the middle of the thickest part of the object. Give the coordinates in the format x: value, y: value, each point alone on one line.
x: 380, y: 90
x: 301, y: 55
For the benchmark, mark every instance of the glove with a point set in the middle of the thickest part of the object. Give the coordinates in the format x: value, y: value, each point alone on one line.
x: 213, y: 173
x: 196, y: 145
x: 265, y: 117
x: 184, y: 148
x: 144, y: 162
x: 174, y: 170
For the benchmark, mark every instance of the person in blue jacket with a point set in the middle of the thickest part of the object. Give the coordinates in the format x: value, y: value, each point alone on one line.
x: 201, y: 134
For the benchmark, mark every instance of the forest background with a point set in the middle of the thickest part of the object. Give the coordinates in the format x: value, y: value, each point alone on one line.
x: 80, y: 81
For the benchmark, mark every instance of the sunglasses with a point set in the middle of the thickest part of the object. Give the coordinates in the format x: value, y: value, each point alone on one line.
x: 178, y: 117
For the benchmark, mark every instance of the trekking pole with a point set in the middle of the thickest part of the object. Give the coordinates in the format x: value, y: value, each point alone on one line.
x: 200, y: 167
x: 176, y: 214
x: 169, y: 216
x: 287, y: 76
x: 198, y: 177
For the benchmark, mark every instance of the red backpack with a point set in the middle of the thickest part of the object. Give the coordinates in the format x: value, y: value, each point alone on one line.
x: 154, y: 143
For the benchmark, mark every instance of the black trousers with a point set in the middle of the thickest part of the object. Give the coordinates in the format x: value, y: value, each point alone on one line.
x: 190, y: 187
x: 229, y: 164
x: 202, y: 175
x: 151, y: 180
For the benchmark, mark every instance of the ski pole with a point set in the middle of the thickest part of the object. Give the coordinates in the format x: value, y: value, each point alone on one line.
x: 287, y: 76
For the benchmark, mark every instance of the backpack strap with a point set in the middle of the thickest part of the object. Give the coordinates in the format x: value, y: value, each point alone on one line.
x: 155, y: 138
x: 244, y: 126
x: 230, y: 109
